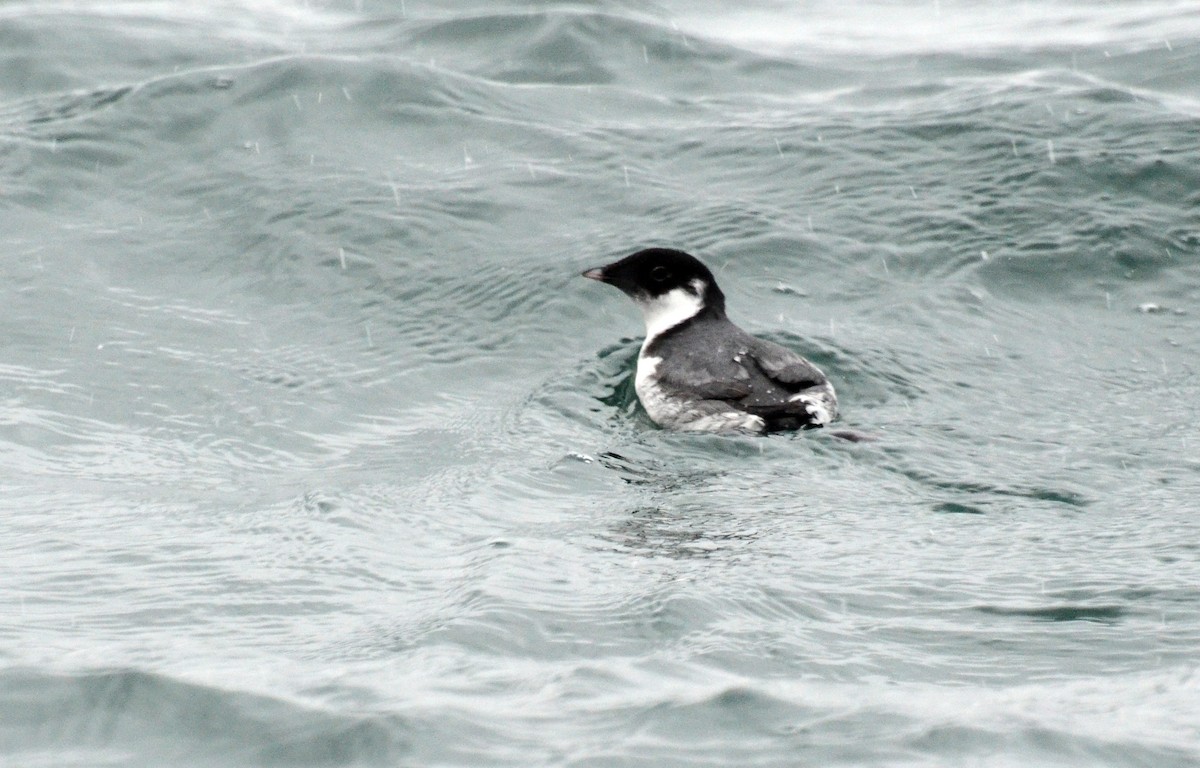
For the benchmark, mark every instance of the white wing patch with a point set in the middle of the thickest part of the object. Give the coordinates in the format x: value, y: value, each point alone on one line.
x: 821, y: 404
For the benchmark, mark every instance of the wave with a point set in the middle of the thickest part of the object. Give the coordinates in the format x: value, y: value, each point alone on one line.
x: 129, y: 717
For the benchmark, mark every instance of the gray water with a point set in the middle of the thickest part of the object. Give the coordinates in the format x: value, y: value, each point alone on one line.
x: 316, y: 449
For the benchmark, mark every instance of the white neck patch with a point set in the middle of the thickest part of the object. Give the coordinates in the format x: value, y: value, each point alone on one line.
x: 669, y: 310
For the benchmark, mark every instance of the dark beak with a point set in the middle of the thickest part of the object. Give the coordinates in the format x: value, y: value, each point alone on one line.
x: 595, y: 274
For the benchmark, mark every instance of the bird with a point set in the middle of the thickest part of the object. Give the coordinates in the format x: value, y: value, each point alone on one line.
x: 697, y: 371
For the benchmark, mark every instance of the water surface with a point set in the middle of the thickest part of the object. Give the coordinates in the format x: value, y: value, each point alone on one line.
x: 317, y: 450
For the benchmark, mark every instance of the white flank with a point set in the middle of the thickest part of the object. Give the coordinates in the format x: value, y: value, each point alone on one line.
x: 667, y: 311
x: 645, y: 379
x: 674, y: 412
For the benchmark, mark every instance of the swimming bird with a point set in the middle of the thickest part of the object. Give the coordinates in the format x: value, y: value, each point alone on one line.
x: 699, y: 372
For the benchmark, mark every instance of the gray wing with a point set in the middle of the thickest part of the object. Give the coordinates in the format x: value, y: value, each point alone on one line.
x: 784, y: 366
x: 734, y: 366
x: 708, y: 376
x: 800, y: 395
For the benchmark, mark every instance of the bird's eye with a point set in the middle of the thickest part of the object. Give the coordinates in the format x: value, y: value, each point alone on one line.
x: 659, y: 273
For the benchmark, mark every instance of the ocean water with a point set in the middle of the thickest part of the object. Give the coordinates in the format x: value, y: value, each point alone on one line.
x: 315, y: 449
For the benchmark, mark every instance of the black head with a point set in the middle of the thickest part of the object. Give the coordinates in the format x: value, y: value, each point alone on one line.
x: 654, y: 272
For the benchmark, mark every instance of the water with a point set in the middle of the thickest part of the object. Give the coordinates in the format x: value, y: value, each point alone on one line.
x: 317, y: 451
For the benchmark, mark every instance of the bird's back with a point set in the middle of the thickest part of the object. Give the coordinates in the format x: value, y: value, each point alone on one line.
x: 713, y: 359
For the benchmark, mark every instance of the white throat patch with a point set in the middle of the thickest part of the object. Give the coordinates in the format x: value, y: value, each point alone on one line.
x: 669, y: 310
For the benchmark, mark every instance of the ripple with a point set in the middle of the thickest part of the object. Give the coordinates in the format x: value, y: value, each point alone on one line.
x: 1110, y: 614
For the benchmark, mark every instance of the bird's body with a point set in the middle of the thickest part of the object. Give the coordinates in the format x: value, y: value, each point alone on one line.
x: 697, y: 371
